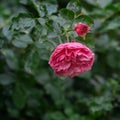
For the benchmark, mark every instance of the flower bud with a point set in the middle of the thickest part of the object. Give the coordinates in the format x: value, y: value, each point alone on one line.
x: 82, y: 29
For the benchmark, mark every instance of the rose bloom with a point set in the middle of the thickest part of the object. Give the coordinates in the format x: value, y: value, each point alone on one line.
x: 71, y: 59
x: 82, y: 29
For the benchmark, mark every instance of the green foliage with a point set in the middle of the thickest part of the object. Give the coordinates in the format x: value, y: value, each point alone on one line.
x: 19, y: 96
x: 75, y: 6
x: 29, y: 32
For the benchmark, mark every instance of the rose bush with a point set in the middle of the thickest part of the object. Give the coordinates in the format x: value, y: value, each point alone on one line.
x: 30, y: 30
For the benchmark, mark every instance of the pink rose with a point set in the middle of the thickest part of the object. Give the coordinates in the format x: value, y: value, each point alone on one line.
x: 82, y: 29
x: 71, y: 59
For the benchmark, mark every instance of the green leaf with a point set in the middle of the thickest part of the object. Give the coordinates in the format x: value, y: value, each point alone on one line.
x: 53, y: 34
x: 45, y: 8
x: 32, y: 6
x: 19, y: 96
x: 88, y: 41
x: 100, y: 3
x: 22, y: 23
x: 85, y: 19
x: 22, y: 41
x: 86, y: 75
x: 101, y: 104
x: 50, y: 7
x: 52, y: 25
x: 111, y: 25
x: 66, y: 14
x: 75, y: 6
x: 6, y: 32
x: 45, y: 48
x: 42, y: 10
x: 102, y: 43
x: 32, y: 62
x: 42, y: 78
x: 6, y: 79
x: 103, y: 3
x: 57, y: 19
x: 23, y: 1
x: 11, y: 58
x: 39, y: 32
x: 113, y: 59
x: 13, y: 112
x: 57, y: 115
x: 41, y: 21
